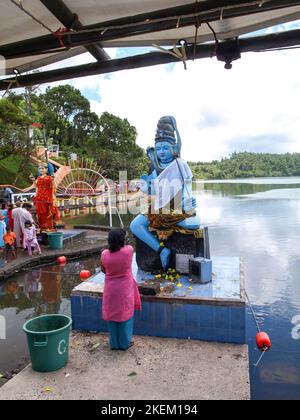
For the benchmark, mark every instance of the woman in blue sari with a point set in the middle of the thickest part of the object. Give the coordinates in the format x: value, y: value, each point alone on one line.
x: 4, y: 213
x: 2, y: 230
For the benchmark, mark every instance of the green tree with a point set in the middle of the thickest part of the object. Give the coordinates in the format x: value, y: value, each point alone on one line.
x: 61, y: 106
x: 85, y: 125
x: 114, y: 146
x: 117, y: 134
x: 13, y: 130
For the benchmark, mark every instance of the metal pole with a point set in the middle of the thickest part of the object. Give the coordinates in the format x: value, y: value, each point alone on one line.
x: 45, y: 143
x: 110, y: 209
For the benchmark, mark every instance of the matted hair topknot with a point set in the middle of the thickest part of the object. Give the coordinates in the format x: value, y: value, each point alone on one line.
x: 166, y: 130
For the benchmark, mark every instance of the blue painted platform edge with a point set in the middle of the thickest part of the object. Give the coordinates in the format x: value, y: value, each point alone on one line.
x: 183, y: 321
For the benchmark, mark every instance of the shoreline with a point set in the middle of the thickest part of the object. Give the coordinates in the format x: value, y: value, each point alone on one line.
x: 92, y: 243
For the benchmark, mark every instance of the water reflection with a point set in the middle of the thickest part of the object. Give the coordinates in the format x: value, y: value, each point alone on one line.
x: 35, y: 293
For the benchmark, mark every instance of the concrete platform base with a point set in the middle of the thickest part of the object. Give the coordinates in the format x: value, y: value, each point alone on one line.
x: 213, y: 312
x: 154, y: 369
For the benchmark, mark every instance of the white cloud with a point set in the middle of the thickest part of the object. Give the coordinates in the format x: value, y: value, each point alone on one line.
x: 217, y: 111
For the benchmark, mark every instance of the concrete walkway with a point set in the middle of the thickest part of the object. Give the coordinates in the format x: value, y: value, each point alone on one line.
x: 154, y: 369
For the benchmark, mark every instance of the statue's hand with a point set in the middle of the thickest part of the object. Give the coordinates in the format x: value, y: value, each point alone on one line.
x: 189, y: 204
x: 145, y: 183
x: 145, y: 178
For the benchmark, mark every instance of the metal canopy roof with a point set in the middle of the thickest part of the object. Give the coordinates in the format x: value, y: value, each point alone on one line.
x: 35, y: 33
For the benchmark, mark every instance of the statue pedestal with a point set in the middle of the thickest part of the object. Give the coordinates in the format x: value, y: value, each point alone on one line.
x: 149, y: 261
x: 212, y: 312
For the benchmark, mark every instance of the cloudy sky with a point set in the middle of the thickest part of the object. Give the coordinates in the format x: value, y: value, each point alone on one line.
x: 253, y: 107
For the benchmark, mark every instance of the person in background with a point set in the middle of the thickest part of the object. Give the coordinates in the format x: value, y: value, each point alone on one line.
x: 27, y: 208
x: 26, y: 217
x: 10, y: 243
x: 2, y: 230
x: 17, y: 216
x: 9, y: 216
x: 30, y: 238
x: 8, y: 192
x: 4, y: 213
x: 121, y: 295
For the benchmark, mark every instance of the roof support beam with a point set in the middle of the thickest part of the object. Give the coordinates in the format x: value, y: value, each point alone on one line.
x: 207, y: 11
x: 281, y: 40
x: 71, y: 21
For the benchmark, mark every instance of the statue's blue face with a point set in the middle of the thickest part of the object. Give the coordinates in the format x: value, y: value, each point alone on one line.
x: 164, y: 152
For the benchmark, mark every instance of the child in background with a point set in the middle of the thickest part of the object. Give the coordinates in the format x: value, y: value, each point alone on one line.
x: 10, y: 241
x: 4, y: 213
x: 30, y: 238
x: 2, y: 230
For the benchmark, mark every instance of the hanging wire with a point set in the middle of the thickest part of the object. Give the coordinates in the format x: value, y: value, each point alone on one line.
x: 213, y: 31
x: 253, y: 313
x: 215, y: 36
x: 265, y: 350
x: 259, y: 361
x: 19, y: 4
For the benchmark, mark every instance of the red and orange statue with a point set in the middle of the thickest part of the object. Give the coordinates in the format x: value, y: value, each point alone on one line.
x: 45, y: 199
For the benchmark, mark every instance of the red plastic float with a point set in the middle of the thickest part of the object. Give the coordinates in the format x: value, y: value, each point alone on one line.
x: 263, y: 341
x: 61, y: 260
x: 85, y: 274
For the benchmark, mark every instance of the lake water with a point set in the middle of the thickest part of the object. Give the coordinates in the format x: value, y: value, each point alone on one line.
x: 257, y: 219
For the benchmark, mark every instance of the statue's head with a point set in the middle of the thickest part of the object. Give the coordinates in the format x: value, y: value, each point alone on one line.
x: 43, y: 169
x: 167, y: 145
x: 46, y: 169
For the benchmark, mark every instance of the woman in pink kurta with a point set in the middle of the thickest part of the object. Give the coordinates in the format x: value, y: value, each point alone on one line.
x: 121, y: 296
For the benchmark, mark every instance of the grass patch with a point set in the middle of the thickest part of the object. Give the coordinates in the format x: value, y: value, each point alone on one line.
x: 10, y: 171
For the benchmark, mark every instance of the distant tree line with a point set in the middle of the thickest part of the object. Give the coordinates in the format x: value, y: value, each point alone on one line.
x: 248, y: 165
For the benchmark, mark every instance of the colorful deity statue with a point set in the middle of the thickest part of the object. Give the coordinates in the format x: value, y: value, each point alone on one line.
x: 172, y: 206
x: 45, y: 199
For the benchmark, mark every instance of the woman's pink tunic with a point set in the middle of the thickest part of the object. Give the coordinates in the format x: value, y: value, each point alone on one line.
x: 121, y: 295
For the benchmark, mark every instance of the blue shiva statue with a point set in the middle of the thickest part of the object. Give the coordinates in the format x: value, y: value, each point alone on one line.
x: 169, y: 184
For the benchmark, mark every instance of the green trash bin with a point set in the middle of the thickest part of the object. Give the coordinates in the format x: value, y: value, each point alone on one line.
x: 48, y: 341
x: 56, y: 240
